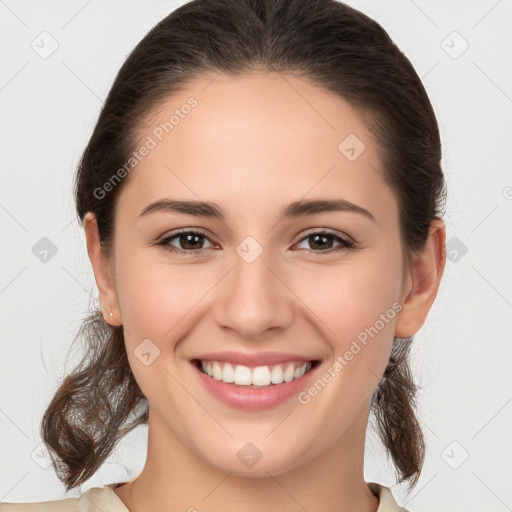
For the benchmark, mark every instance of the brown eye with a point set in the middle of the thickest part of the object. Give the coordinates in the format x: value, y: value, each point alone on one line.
x: 189, y: 242
x: 323, y: 241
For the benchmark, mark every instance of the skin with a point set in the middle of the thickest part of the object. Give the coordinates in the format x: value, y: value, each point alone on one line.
x: 252, y: 154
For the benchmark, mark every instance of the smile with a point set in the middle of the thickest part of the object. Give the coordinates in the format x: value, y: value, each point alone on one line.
x: 260, y: 376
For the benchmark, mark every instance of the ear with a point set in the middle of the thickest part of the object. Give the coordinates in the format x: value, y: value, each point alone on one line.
x: 422, y: 282
x: 103, y: 272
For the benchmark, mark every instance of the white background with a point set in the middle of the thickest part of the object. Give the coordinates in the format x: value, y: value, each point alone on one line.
x: 462, y: 355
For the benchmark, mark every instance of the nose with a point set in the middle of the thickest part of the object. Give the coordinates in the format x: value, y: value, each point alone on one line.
x: 253, y: 299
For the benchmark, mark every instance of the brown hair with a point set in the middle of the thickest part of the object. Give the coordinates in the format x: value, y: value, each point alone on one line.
x: 326, y: 42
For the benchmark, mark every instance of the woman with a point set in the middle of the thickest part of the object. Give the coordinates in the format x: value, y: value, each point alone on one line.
x: 261, y: 199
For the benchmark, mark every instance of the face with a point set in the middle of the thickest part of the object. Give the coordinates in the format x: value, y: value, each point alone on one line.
x: 252, y: 281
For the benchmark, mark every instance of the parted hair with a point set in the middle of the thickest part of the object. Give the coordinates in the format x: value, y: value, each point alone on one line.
x: 324, y: 41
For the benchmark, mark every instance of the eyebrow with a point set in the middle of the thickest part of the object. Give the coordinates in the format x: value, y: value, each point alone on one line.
x: 296, y: 209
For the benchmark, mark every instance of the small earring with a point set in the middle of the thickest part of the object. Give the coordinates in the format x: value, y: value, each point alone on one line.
x: 111, y: 314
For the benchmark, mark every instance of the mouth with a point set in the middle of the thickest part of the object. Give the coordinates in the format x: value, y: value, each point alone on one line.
x: 258, y: 377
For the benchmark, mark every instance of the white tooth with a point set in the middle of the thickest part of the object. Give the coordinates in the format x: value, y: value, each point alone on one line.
x: 300, y: 371
x: 261, y: 376
x: 288, y: 373
x: 243, y: 376
x: 228, y: 373
x: 217, y: 371
x: 276, y: 375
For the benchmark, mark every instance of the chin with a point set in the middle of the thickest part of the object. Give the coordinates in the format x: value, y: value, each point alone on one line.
x: 249, y: 460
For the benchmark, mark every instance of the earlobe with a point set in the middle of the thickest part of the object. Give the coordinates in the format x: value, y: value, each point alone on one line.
x: 102, y: 271
x: 422, y: 282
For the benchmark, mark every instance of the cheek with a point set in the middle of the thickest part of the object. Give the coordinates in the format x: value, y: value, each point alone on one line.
x: 355, y: 306
x: 353, y: 296
x: 155, y: 302
x: 153, y: 296
x: 359, y: 308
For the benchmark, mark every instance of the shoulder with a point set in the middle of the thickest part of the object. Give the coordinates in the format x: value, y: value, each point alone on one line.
x: 387, y: 502
x: 96, y: 498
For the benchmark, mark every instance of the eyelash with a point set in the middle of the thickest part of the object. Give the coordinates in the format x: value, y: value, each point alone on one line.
x: 345, y: 242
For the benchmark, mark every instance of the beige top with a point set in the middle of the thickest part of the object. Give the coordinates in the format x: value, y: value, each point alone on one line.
x: 106, y: 500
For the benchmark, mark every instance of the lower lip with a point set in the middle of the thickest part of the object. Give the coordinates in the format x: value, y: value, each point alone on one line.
x: 241, y: 397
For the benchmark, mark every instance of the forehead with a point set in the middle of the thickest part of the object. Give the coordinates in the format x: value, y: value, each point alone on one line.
x: 254, y: 139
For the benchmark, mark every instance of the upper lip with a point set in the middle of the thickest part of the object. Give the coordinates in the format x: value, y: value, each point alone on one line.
x: 257, y: 359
